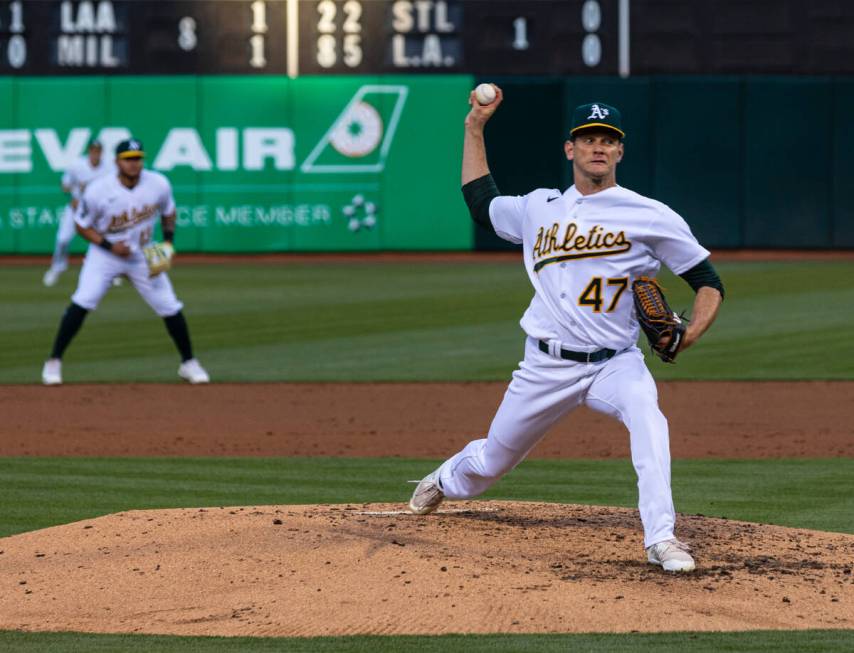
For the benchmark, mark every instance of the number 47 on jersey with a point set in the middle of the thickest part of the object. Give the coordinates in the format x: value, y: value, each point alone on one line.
x: 593, y: 294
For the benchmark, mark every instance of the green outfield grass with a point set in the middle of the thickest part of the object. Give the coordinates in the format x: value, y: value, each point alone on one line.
x: 358, y: 321
x: 40, y: 492
x: 814, y: 641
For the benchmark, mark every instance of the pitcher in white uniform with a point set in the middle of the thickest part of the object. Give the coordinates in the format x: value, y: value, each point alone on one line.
x: 117, y: 214
x: 76, y: 177
x: 582, y: 249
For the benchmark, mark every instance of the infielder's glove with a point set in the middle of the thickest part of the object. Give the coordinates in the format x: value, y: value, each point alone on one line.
x: 656, y: 318
x: 158, y: 256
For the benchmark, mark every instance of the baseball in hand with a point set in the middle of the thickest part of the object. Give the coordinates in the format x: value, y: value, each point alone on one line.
x: 485, y: 93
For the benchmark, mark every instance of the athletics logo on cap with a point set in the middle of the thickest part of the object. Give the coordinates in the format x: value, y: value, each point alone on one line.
x: 130, y: 149
x: 597, y: 112
x: 596, y: 116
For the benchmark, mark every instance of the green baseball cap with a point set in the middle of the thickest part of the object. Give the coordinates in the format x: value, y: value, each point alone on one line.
x: 130, y: 149
x: 597, y: 114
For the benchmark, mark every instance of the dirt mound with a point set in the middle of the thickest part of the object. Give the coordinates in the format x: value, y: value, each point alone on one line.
x: 475, y: 567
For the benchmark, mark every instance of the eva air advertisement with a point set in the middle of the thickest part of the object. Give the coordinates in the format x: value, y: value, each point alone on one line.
x: 261, y: 164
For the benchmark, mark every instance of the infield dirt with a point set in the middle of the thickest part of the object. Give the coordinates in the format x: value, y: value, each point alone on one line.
x: 477, y: 567
x: 420, y: 420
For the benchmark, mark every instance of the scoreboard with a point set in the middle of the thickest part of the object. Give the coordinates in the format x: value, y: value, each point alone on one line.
x: 482, y: 37
x: 57, y: 37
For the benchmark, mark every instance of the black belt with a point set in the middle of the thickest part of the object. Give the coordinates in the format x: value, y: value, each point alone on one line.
x: 580, y: 356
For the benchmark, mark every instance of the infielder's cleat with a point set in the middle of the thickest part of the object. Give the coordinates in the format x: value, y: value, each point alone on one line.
x: 672, y: 555
x: 193, y: 372
x: 50, y: 278
x: 427, y: 496
x: 52, y: 372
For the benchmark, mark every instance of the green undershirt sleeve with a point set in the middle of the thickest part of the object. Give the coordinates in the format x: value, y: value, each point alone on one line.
x: 703, y: 274
x: 478, y: 195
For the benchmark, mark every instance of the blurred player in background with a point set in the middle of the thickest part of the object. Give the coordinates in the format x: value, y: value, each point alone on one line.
x: 116, y: 215
x: 77, y: 176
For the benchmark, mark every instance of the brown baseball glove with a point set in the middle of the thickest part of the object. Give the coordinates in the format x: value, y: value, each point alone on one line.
x: 657, y: 319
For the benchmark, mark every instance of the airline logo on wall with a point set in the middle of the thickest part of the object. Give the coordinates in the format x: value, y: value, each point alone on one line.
x: 360, y: 139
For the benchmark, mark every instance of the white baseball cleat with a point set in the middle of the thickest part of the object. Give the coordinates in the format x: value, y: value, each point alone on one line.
x: 52, y: 372
x: 672, y: 555
x: 51, y: 277
x: 193, y: 372
x: 427, y: 496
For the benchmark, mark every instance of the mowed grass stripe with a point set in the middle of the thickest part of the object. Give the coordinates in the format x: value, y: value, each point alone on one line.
x: 409, y: 322
x: 815, y: 641
x: 41, y: 492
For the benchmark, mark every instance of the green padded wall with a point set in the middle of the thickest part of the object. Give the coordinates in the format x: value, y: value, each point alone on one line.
x: 697, y: 155
x: 842, y: 182
x: 788, y: 162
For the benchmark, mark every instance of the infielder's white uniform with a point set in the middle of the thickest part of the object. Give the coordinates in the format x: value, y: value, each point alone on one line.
x: 582, y: 254
x: 76, y: 178
x: 125, y: 215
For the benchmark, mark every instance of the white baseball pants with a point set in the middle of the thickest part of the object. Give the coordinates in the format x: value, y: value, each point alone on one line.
x: 543, y: 390
x: 64, y: 235
x: 99, y: 269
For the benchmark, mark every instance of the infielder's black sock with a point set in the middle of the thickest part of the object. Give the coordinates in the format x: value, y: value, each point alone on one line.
x: 71, y: 322
x: 176, y: 325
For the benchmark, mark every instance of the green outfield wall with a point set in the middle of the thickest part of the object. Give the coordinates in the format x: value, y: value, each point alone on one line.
x: 372, y: 163
x: 257, y: 163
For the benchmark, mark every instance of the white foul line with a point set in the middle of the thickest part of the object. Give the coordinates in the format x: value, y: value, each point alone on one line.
x: 438, y: 512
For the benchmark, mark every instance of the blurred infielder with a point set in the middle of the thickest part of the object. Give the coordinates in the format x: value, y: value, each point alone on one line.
x: 116, y: 215
x: 77, y: 176
x: 582, y: 249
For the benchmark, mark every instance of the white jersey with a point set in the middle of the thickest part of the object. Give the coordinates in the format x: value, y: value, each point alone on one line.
x: 582, y: 253
x: 81, y: 173
x: 124, y: 214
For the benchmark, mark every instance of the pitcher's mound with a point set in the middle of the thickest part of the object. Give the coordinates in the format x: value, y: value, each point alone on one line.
x: 474, y: 567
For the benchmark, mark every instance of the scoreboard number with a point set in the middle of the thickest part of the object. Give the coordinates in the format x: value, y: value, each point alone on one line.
x: 327, y: 28
x: 16, y: 24
x: 591, y: 20
x: 16, y: 51
x: 259, y: 17
x: 16, y: 47
x: 187, y: 39
x: 520, y: 32
x: 352, y: 33
x: 259, y: 29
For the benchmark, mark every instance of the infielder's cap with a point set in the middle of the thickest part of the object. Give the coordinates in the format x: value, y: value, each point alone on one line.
x: 597, y: 115
x: 129, y: 149
x: 94, y: 143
